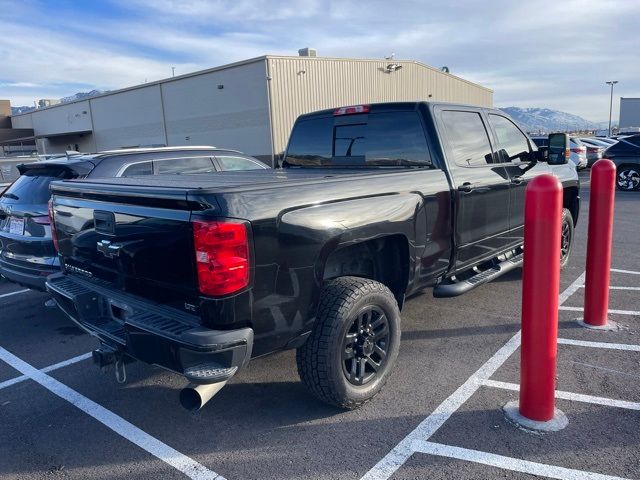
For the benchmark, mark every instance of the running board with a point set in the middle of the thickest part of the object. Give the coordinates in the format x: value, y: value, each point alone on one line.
x: 454, y: 289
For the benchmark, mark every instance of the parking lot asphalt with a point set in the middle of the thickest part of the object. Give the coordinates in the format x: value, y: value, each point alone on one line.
x: 264, y: 424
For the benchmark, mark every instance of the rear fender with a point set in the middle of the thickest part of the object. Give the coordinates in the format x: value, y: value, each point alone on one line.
x: 313, y: 233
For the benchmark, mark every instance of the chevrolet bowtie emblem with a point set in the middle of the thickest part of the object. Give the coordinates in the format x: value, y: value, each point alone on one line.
x: 108, y: 249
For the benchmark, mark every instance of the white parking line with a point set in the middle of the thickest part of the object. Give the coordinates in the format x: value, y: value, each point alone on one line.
x: 179, y: 461
x: 396, y: 457
x: 508, y: 463
x: 611, y: 346
x: 50, y: 368
x: 571, y: 289
x: 617, y: 312
x: 619, y: 288
x: 631, y: 272
x: 575, y: 397
x: 401, y: 452
x: 14, y: 293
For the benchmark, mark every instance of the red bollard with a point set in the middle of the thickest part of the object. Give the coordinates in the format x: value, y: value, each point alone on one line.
x: 601, y: 202
x: 540, y: 290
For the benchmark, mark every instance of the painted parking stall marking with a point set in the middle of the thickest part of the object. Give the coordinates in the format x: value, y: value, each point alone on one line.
x: 119, y: 425
x: 611, y: 346
x: 14, y: 293
x: 576, y: 397
x: 509, y: 463
x: 616, y: 312
x: 417, y: 440
x: 630, y: 272
x: 50, y: 368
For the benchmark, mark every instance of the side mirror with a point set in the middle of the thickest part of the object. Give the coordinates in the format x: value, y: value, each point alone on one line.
x: 559, y: 149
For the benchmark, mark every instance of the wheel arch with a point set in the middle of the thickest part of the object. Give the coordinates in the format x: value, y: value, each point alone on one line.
x: 384, y: 259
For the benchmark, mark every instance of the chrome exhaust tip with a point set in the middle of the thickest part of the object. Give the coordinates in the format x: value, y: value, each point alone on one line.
x: 193, y: 397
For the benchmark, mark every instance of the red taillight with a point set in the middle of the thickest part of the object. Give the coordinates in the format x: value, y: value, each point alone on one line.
x: 579, y: 150
x: 52, y: 221
x: 351, y: 110
x: 222, y: 256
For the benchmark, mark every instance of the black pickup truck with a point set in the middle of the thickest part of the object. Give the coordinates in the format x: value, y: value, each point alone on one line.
x: 200, y: 274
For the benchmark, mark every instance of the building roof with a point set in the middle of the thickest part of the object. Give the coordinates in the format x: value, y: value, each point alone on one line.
x: 247, y: 62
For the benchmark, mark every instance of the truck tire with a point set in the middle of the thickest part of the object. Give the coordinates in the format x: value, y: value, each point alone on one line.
x: 566, y: 242
x: 354, y: 344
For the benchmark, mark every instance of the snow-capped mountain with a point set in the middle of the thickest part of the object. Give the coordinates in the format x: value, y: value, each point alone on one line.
x: 72, y: 98
x: 547, y: 120
x: 23, y: 109
x: 81, y: 95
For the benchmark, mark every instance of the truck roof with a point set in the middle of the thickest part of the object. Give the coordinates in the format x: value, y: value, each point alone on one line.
x: 391, y: 106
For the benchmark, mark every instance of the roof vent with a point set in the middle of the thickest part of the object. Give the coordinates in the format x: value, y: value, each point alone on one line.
x: 308, y: 52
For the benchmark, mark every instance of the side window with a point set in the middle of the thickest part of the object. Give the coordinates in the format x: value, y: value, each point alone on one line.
x: 467, y: 138
x: 512, y: 143
x: 193, y: 165
x: 394, y: 138
x: 229, y: 162
x: 310, y: 143
x: 143, y: 168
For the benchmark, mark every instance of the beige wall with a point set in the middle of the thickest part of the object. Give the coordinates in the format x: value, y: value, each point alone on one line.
x: 67, y: 118
x: 198, y: 112
x: 128, y: 119
x: 328, y: 83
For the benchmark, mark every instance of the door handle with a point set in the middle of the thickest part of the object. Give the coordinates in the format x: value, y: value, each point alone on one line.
x: 517, y: 180
x: 468, y: 187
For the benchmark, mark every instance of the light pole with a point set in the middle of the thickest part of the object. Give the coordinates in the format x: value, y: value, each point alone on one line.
x: 173, y: 73
x: 612, y: 83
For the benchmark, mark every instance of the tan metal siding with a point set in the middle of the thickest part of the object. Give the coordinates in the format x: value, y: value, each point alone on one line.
x: 328, y: 83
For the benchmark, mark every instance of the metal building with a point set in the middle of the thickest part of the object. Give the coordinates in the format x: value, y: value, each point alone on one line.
x: 629, y: 113
x: 248, y: 106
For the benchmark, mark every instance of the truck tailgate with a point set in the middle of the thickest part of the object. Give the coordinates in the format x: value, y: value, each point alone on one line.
x: 140, y: 242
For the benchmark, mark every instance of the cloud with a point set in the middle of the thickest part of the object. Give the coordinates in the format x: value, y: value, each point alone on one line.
x: 539, y: 53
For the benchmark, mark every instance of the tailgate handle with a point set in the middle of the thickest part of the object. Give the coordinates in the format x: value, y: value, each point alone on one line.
x: 104, y: 222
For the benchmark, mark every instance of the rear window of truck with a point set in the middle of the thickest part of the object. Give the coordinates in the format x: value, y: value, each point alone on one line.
x: 387, y: 139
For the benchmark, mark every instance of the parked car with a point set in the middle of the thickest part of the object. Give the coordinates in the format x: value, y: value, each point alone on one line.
x: 578, y: 153
x: 608, y: 141
x: 27, y: 253
x: 594, y: 150
x: 372, y: 204
x: 626, y: 155
x: 596, y: 142
x: 578, y: 150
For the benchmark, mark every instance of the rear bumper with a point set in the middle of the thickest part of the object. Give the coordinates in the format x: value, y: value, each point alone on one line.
x: 152, y: 333
x: 26, y: 275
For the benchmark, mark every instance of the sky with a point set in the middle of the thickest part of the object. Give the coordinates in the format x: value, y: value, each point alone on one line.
x: 552, y: 54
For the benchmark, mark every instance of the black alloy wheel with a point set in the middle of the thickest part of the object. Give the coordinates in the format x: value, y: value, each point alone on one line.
x: 354, y: 343
x: 628, y: 178
x: 365, y: 345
